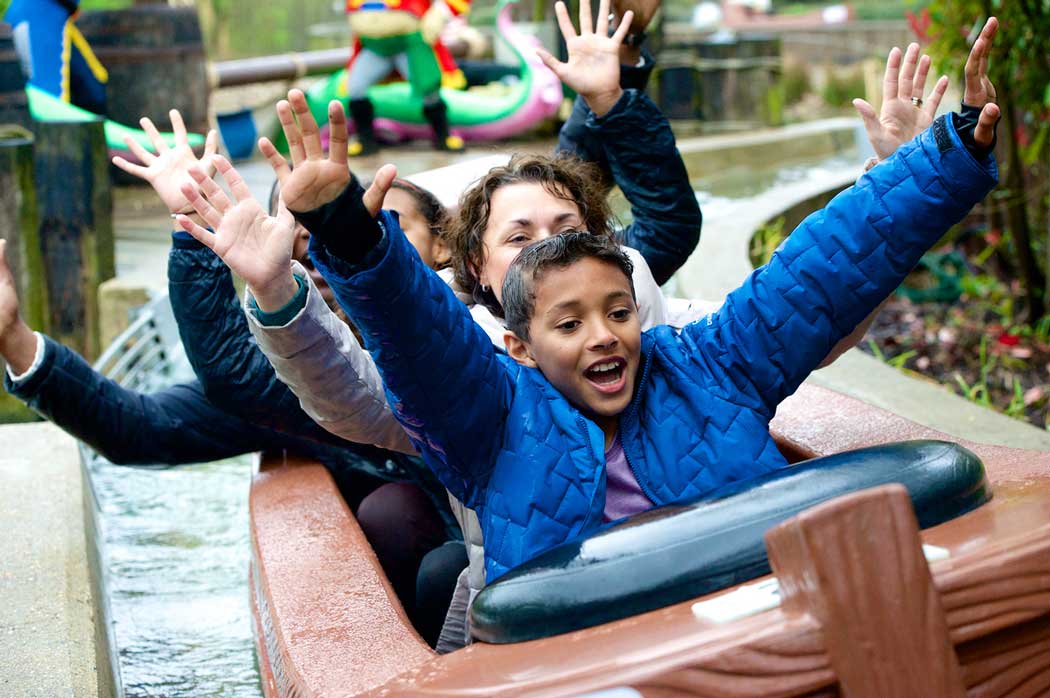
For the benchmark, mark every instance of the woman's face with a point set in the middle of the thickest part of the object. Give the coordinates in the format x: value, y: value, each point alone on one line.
x: 431, y: 248
x: 521, y: 214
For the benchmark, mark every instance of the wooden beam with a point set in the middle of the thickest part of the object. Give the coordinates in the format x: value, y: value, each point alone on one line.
x: 856, y: 566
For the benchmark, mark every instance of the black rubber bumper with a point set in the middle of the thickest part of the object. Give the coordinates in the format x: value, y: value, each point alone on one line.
x: 675, y: 553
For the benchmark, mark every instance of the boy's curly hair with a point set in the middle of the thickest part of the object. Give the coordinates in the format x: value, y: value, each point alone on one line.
x: 563, y: 176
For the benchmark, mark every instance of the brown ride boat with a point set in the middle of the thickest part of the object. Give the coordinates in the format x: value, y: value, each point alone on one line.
x: 673, y: 602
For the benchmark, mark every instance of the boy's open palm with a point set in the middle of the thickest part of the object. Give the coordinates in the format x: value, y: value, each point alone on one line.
x: 593, y: 65
x: 314, y: 179
x: 256, y: 246
x: 168, y: 169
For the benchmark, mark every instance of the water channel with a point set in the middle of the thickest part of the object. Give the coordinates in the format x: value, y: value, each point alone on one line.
x: 176, y: 541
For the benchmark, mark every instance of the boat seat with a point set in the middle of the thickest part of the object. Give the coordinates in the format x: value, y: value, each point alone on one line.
x: 679, y: 552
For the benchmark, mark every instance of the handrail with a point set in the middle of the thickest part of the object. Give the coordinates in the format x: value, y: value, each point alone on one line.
x: 286, y: 66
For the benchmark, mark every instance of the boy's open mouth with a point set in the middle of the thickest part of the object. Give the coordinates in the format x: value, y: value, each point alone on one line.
x: 607, y: 375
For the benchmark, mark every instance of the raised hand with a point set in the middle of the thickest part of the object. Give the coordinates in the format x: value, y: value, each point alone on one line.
x: 593, y: 65
x: 256, y: 246
x: 979, y: 89
x: 905, y: 114
x: 169, y: 169
x: 314, y: 179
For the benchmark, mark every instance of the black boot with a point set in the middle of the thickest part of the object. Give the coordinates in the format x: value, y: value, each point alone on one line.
x: 363, y: 115
x: 436, y: 114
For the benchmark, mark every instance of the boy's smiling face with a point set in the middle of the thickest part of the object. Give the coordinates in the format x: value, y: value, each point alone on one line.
x: 585, y: 337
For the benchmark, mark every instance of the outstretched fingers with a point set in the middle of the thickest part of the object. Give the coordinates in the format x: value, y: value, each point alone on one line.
x: 154, y: 135
x: 625, y: 26
x: 292, y: 134
x: 564, y: 23
x: 907, y: 76
x: 200, y: 234
x: 976, y: 70
x: 890, y: 81
x: 211, y: 144
x: 307, y: 124
x: 984, y: 134
x: 586, y: 22
x: 213, y: 191
x: 178, y: 128
x: 233, y: 178
x: 276, y: 160
x: 933, y: 102
x: 551, y: 62
x: 337, y: 133
x: 201, y: 205
x: 376, y: 192
x: 144, y: 156
x: 922, y: 72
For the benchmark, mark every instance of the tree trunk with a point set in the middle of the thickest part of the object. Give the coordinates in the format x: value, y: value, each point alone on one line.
x: 1016, y: 214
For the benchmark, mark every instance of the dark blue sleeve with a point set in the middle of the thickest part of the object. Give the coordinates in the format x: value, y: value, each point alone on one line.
x: 234, y: 373
x: 839, y: 264
x: 576, y: 139
x: 443, y: 379
x: 172, y: 427
x: 639, y: 147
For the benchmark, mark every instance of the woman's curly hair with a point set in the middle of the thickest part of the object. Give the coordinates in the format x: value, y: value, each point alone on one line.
x: 563, y: 176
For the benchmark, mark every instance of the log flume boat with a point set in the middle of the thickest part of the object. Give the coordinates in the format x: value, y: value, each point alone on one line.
x: 678, y: 602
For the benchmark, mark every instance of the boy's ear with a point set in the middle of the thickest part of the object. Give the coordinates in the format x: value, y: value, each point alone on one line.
x: 518, y: 349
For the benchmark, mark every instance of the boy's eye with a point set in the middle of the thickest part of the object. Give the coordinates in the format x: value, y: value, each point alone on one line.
x: 568, y: 325
x: 621, y: 314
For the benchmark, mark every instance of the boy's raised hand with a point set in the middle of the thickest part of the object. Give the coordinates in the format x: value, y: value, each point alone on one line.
x: 314, y: 179
x: 979, y: 89
x: 256, y: 246
x: 905, y: 114
x: 593, y: 65
x: 168, y: 169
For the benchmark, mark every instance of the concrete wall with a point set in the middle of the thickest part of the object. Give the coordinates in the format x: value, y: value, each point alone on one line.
x: 51, y: 627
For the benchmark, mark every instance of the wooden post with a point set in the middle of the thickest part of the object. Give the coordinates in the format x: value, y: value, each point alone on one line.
x: 75, y: 207
x: 855, y: 564
x: 19, y: 224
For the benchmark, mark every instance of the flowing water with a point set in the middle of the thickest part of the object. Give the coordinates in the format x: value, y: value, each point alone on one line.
x: 176, y: 544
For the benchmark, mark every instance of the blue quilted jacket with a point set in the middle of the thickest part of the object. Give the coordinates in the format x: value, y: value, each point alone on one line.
x: 506, y: 443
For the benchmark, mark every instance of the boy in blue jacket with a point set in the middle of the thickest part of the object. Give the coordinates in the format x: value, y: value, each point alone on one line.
x: 586, y: 418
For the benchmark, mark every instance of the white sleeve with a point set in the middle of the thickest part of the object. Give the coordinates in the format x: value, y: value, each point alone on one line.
x: 318, y: 357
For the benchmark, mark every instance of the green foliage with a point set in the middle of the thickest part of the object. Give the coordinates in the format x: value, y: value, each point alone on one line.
x: 1020, y: 70
x: 765, y: 241
x: 794, y: 81
x: 843, y: 86
x: 978, y: 392
x: 898, y: 362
